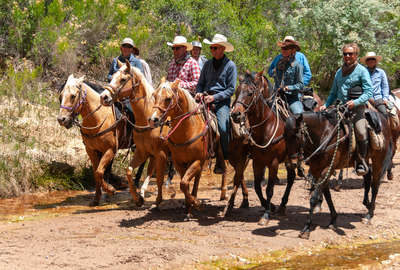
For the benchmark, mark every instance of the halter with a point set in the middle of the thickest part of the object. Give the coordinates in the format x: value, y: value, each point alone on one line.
x: 78, y: 103
x: 116, y: 90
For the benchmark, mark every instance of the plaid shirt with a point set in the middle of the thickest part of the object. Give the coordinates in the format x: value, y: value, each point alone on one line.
x: 188, y: 72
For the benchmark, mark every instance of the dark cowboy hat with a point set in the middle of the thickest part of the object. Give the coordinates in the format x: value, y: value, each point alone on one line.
x: 288, y: 43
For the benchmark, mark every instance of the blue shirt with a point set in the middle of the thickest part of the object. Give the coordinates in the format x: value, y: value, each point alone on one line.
x: 292, y: 77
x: 221, y: 82
x: 380, y: 83
x: 114, y: 65
x: 202, y: 60
x: 301, y: 58
x: 341, y: 85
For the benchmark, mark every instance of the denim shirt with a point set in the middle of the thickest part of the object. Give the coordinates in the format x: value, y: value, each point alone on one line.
x: 341, y: 85
x: 292, y: 78
x: 380, y: 84
x: 114, y: 65
x: 221, y: 83
x: 301, y: 58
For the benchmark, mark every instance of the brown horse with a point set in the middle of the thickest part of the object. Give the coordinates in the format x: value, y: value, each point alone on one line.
x: 326, y: 144
x: 395, y: 128
x: 101, y: 133
x: 187, y: 137
x: 129, y: 82
x: 265, y: 132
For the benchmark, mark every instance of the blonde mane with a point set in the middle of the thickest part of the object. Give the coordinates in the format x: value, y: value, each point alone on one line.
x: 190, y: 100
x: 146, y: 85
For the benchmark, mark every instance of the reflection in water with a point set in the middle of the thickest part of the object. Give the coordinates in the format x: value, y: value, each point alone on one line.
x: 384, y: 255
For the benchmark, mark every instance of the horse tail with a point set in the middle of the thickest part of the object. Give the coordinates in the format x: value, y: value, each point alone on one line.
x: 387, y: 162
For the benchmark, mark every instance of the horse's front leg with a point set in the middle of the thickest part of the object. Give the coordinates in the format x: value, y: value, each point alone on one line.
x: 138, y: 159
x: 192, y: 171
x: 328, y: 198
x: 305, y: 233
x: 161, y: 164
x: 367, y: 187
x: 376, y: 180
x: 95, y: 159
x: 291, y: 175
x: 238, y: 180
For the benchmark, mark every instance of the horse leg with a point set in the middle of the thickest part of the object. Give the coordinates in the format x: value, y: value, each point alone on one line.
x: 305, y: 233
x: 193, y: 170
x: 338, y: 183
x: 224, y: 183
x: 139, y: 173
x: 328, y: 198
x: 160, y: 163
x: 99, y: 174
x: 259, y: 171
x: 367, y: 187
x: 389, y: 172
x: 149, y: 173
x: 95, y: 159
x: 376, y: 180
x: 291, y: 175
x: 237, y: 179
x: 138, y: 159
x: 272, y: 178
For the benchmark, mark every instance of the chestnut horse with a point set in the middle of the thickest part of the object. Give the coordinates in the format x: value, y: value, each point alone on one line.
x: 187, y: 138
x: 102, y: 135
x: 129, y: 82
x: 309, y: 132
x: 267, y: 148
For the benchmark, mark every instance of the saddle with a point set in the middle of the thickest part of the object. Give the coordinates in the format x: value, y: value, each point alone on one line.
x: 212, y: 132
x: 307, y: 98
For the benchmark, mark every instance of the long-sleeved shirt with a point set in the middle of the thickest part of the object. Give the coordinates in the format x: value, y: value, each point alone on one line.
x: 301, y: 58
x: 292, y: 77
x: 146, y: 71
x: 114, y: 65
x: 219, y: 82
x: 380, y: 84
x: 188, y: 72
x: 341, y: 85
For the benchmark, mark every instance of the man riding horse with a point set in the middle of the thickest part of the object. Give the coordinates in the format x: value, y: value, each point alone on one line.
x: 352, y: 85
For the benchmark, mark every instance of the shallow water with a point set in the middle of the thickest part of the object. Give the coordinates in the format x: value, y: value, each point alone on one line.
x: 382, y: 255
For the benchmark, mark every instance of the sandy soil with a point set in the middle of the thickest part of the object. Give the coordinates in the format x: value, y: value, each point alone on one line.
x: 59, y: 230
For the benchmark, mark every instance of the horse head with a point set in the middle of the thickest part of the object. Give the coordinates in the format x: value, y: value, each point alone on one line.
x: 123, y: 84
x: 167, y: 102
x: 71, y: 99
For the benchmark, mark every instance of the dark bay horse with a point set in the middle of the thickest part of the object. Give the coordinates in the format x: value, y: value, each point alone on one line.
x: 265, y: 132
x: 188, y: 137
x: 308, y: 131
x: 129, y: 82
x: 102, y: 135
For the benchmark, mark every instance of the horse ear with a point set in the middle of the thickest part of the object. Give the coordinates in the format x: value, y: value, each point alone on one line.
x: 120, y: 64
x: 260, y: 73
x: 175, y: 84
x: 70, y: 76
x: 163, y: 80
x: 128, y: 66
x: 81, y: 79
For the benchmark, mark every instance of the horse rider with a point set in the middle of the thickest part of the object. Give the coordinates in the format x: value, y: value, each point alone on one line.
x: 196, y: 54
x: 183, y: 66
x: 379, y: 81
x: 146, y: 67
x: 288, y: 75
x: 218, y: 82
x: 300, y: 57
x: 352, y: 85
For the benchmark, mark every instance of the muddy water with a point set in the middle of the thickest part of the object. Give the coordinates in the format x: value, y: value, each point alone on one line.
x: 383, y: 255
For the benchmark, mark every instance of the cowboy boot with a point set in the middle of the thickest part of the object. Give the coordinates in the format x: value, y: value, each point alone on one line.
x: 362, y: 166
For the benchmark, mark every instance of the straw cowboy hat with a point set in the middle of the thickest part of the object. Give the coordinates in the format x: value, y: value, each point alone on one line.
x: 289, y: 41
x: 220, y: 40
x: 378, y: 58
x: 180, y: 41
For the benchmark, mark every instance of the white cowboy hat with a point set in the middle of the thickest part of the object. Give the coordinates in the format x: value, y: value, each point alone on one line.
x: 289, y: 38
x: 220, y: 40
x: 370, y: 55
x: 180, y: 41
x: 196, y: 44
x: 129, y: 41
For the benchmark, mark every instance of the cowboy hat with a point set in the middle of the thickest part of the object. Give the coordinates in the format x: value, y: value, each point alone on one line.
x: 129, y: 41
x: 368, y: 55
x: 180, y: 41
x: 220, y: 40
x: 289, y: 42
x: 196, y: 44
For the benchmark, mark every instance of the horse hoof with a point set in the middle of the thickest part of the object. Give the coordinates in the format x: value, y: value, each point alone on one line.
x: 245, y: 204
x: 263, y: 221
x: 223, y: 197
x: 333, y: 227
x: 390, y: 176
x: 172, y: 192
x: 304, y: 235
x: 228, y: 210
x: 317, y: 209
x: 94, y: 203
x: 140, y: 202
x: 366, y: 221
x: 336, y: 187
x: 188, y: 217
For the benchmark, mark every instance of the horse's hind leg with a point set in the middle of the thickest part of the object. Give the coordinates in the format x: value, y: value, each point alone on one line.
x: 367, y: 187
x: 160, y: 165
x: 376, y: 178
x: 139, y: 173
x: 291, y: 175
x: 328, y: 197
x: 138, y: 159
x: 95, y: 159
x: 258, y: 171
x: 194, y: 170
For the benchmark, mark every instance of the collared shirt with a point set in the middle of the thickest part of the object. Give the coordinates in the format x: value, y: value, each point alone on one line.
x: 188, y: 72
x: 301, y: 58
x: 114, y: 65
x: 202, y: 60
x: 379, y: 83
x: 220, y: 83
x: 292, y: 77
x: 146, y: 71
x: 341, y: 85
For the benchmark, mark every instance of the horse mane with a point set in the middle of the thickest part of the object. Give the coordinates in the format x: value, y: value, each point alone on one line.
x: 146, y: 85
x: 191, y: 101
x: 96, y: 87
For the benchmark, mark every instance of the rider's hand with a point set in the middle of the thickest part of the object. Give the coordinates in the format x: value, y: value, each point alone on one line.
x: 322, y: 108
x: 286, y: 88
x: 350, y: 104
x: 198, y: 96
x: 208, y: 99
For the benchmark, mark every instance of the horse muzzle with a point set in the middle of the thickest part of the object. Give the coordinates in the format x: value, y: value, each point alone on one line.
x: 105, y: 98
x: 237, y: 116
x: 65, y: 121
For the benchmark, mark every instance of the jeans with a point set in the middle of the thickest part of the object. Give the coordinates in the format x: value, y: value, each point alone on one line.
x: 295, y: 105
x: 222, y: 113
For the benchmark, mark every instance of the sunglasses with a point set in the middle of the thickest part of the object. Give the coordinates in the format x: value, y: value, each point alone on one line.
x: 127, y: 46
x: 370, y: 59
x: 213, y: 48
x: 348, y: 53
x: 177, y: 48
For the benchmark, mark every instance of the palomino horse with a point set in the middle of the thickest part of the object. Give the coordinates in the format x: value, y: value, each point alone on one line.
x: 395, y: 128
x: 129, y: 82
x: 187, y: 138
x: 101, y: 134
x: 268, y: 148
x: 326, y: 146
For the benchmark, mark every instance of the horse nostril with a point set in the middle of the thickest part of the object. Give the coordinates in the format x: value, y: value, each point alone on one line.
x: 60, y: 119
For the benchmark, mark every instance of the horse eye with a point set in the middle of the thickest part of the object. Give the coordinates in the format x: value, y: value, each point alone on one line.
x: 123, y: 80
x: 72, y: 97
x: 168, y: 100
x: 249, y: 94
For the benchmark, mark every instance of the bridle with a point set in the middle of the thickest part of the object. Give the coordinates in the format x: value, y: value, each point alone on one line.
x: 115, y: 91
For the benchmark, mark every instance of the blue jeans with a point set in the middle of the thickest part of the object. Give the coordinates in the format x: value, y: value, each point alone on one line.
x: 294, y: 102
x: 222, y: 113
